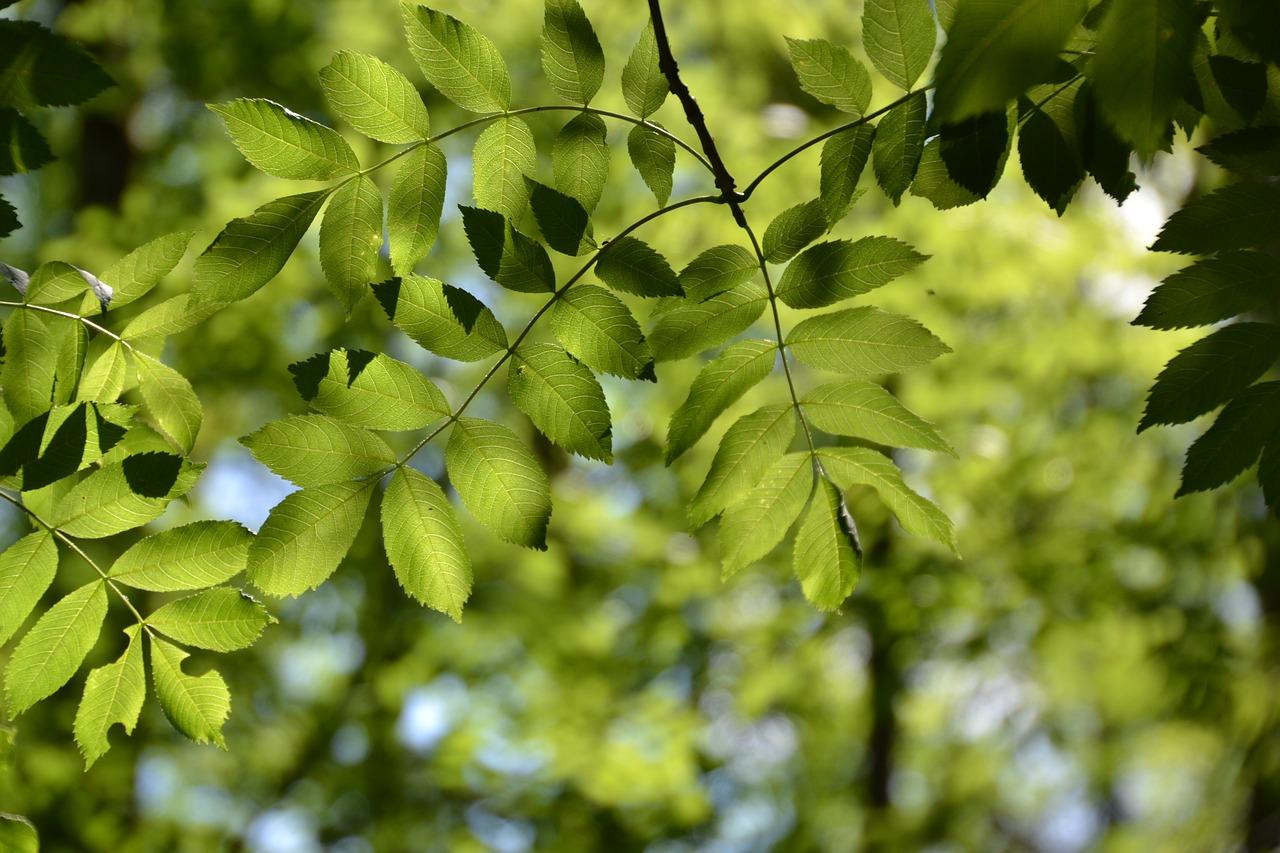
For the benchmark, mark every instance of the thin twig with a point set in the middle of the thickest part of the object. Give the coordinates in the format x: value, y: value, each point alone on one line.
x: 693, y: 114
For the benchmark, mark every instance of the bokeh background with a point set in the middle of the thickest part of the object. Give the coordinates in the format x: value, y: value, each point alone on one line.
x: 1099, y: 671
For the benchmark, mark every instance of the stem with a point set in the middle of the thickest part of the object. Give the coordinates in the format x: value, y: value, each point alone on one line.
x: 782, y: 351
x: 751, y: 187
x: 546, y: 306
x: 577, y: 108
x: 730, y: 196
x: 70, y: 316
x: 75, y: 547
x: 693, y: 114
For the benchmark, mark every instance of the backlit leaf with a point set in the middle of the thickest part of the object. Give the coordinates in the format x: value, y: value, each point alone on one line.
x: 499, y: 481
x: 306, y: 536
x: 424, y: 543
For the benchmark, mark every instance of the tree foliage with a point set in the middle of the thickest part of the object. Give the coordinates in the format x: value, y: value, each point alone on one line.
x: 99, y: 430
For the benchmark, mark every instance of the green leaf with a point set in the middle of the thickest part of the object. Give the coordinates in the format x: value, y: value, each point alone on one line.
x: 513, y: 260
x: 571, y: 55
x: 369, y: 390
x: 134, y: 275
x: 248, y: 253
x: 1106, y: 158
x: 284, y: 144
x: 934, y: 182
x: 1211, y: 371
x: 828, y: 557
x: 860, y: 466
x: 829, y: 73
x: 22, y: 148
x: 39, y: 68
x: 562, y: 398
x: 1253, y: 152
x: 112, y: 694
x: 598, y: 329
x: 193, y: 556
x: 975, y: 150
x: 173, y: 315
x: 56, y: 282
x: 424, y: 543
x: 306, y: 536
x: 632, y: 266
x: 580, y: 159
x: 694, y: 326
x: 561, y: 218
x: 499, y: 481
x: 17, y: 835
x: 462, y: 64
x: 865, y: 410
x: 1239, y: 216
x: 350, y: 237
x: 1254, y: 24
x: 123, y: 495
x: 170, y: 400
x: 313, y: 450
x: 8, y: 218
x: 1142, y: 59
x: 375, y: 98
x: 222, y: 620
x: 719, y: 385
x: 996, y: 50
x: 445, y: 319
x: 32, y: 342
x: 1235, y: 440
x: 504, y: 155
x: 839, y: 269
x: 718, y: 269
x: 898, y: 145
x: 864, y: 342
x: 414, y: 207
x: 899, y: 36
x: 1243, y: 84
x: 1049, y: 148
x: 749, y: 448
x: 27, y: 568
x: 793, y: 229
x: 197, y: 706
x: 654, y: 157
x: 754, y: 525
x: 644, y: 87
x: 51, y: 652
x: 1212, y: 290
x: 844, y: 156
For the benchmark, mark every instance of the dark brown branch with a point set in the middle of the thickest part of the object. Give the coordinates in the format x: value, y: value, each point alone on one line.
x: 693, y: 114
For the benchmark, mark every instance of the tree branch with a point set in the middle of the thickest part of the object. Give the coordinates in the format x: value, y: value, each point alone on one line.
x: 693, y: 114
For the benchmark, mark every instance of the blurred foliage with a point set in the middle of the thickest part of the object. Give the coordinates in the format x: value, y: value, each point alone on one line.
x: 1099, y: 671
